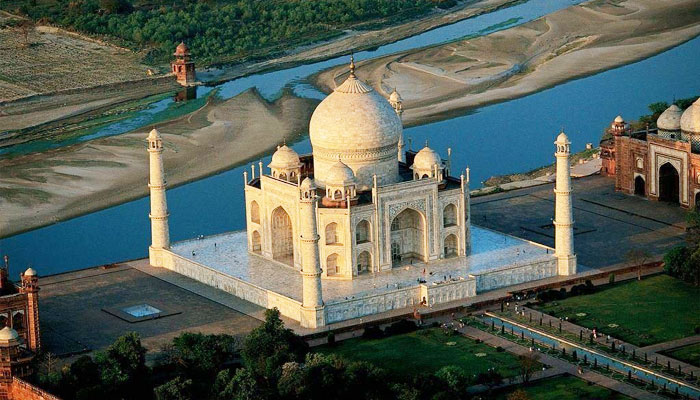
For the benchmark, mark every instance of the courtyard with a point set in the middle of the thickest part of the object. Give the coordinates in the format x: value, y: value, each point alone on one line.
x: 607, y: 224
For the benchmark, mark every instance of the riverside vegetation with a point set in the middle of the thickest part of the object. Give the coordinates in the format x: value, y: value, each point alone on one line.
x: 218, y: 31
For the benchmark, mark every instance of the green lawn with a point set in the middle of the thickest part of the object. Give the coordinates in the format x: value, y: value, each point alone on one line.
x: 427, y: 350
x: 654, y: 310
x: 689, y: 354
x: 565, y: 387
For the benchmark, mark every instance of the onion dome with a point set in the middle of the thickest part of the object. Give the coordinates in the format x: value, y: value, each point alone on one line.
x: 154, y: 134
x: 619, y: 119
x: 8, y: 336
x: 358, y: 125
x: 426, y: 159
x: 670, y: 120
x: 690, y: 120
x: 30, y: 272
x: 340, y: 175
x: 182, y: 50
x: 285, y: 158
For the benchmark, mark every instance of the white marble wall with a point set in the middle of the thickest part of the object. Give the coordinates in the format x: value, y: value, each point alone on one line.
x: 229, y: 284
x: 448, y: 291
x: 514, y: 275
x: 369, y: 305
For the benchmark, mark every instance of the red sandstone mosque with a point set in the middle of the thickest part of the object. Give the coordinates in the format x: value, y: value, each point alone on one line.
x: 661, y: 164
x: 20, y: 339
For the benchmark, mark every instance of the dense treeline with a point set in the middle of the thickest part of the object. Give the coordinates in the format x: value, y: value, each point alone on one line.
x: 271, y: 363
x: 216, y: 31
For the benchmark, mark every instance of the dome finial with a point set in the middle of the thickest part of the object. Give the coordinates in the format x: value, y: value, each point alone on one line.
x: 352, y: 65
x: 426, y: 142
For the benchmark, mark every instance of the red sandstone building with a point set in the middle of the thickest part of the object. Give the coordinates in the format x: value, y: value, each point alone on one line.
x: 183, y: 66
x: 20, y: 337
x: 660, y: 164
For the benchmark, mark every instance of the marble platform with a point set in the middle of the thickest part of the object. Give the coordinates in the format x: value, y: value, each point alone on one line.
x: 228, y: 254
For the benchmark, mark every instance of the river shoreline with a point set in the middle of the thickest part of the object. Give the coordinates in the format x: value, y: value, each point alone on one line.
x: 62, y: 184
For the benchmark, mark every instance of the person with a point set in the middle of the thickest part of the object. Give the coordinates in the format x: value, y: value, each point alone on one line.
x: 193, y: 253
x: 580, y: 370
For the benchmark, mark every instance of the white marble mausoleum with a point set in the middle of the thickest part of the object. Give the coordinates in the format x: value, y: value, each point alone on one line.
x: 359, y: 226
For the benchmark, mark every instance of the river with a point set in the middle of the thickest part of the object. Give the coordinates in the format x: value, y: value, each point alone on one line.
x: 508, y: 137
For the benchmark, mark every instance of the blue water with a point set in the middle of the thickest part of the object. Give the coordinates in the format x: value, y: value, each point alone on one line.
x: 602, y: 360
x: 503, y: 138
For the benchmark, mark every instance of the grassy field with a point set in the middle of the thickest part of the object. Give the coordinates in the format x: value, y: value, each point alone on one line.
x: 565, y: 387
x: 425, y: 351
x: 654, y: 310
x: 689, y: 354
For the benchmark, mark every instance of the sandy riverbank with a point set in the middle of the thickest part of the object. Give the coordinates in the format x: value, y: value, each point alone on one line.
x: 53, y: 106
x: 445, y: 80
x: 40, y: 189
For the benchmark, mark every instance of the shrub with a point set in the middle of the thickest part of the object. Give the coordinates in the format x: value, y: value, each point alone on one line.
x: 399, y: 327
x: 500, y: 349
x: 372, y: 332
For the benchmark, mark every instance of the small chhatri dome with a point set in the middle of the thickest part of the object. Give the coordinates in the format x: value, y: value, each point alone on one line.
x: 340, y: 175
x: 154, y: 134
x: 394, y: 97
x: 8, y: 334
x: 426, y: 159
x: 285, y: 158
x: 182, y: 49
x: 690, y: 120
x: 30, y: 272
x: 619, y: 119
x: 563, y: 139
x: 670, y: 120
x: 307, y: 184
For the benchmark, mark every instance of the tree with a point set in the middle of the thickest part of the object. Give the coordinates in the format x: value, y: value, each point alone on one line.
x: 241, y: 386
x: 455, y: 379
x: 25, y: 28
x: 175, y: 389
x: 490, y: 379
x: 200, y: 357
x: 123, y: 366
x: 270, y: 345
x: 637, y: 257
x: 527, y: 365
x: 518, y: 395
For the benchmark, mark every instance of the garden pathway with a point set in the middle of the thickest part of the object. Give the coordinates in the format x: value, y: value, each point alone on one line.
x: 628, y: 347
x: 561, y: 366
x: 671, y: 344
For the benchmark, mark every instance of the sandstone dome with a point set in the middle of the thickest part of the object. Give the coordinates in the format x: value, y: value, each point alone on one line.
x: 670, y: 120
x: 563, y: 139
x: 619, y: 119
x: 285, y: 158
x: 307, y: 184
x: 690, y: 120
x: 30, y: 272
x: 340, y: 175
x: 426, y: 159
x: 394, y: 97
x: 357, y: 124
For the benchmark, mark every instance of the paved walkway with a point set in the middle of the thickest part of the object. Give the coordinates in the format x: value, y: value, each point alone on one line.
x: 673, y: 344
x: 561, y: 366
x: 602, y: 339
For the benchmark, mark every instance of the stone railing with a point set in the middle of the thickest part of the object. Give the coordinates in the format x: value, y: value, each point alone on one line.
x: 369, y: 305
x: 514, y: 275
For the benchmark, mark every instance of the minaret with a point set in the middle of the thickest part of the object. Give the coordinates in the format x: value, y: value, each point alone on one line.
x: 160, y: 234
x: 312, y: 310
x: 30, y: 287
x: 563, y: 213
x: 397, y: 103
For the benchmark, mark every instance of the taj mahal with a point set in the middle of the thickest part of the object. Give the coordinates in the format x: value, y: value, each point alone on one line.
x: 361, y: 226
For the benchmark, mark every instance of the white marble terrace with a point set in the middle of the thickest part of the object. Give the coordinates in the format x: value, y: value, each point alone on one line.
x: 490, y: 250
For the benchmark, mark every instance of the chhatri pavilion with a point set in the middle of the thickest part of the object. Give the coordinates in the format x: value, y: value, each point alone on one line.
x: 360, y: 226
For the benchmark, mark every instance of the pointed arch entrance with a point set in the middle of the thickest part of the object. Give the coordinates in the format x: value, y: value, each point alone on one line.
x: 639, y: 186
x: 408, y: 236
x: 282, y: 237
x: 450, y: 247
x: 669, y: 183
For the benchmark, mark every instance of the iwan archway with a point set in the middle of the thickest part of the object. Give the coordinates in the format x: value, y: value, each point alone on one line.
x: 669, y: 183
x: 282, y: 237
x: 408, y: 237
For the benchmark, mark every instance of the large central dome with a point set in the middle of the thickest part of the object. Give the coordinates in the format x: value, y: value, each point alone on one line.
x: 358, y: 126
